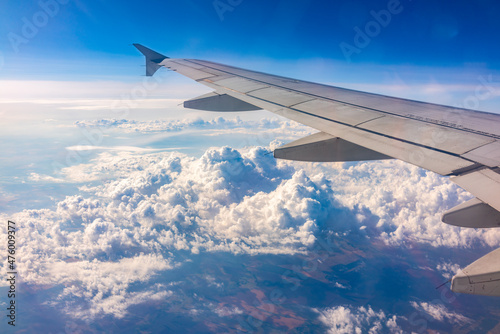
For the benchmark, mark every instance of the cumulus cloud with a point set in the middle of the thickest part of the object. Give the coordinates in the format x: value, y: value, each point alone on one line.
x: 402, y: 203
x: 440, y: 313
x: 225, y: 311
x: 340, y: 286
x: 97, y: 288
x: 94, y: 263
x: 448, y: 269
x: 44, y: 178
x: 345, y: 320
x: 123, y: 231
x: 246, y: 203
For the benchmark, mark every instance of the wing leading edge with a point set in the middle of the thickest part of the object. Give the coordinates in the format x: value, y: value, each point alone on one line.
x: 460, y: 143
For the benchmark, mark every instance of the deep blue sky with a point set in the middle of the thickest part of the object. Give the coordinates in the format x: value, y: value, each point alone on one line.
x: 97, y: 35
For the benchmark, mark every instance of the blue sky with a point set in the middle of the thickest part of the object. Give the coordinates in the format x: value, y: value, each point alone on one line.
x: 96, y: 36
x: 136, y: 208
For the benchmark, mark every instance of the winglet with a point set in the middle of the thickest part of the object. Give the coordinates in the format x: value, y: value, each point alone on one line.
x: 153, y: 58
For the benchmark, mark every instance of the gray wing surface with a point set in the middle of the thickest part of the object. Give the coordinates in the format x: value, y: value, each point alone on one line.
x: 353, y: 125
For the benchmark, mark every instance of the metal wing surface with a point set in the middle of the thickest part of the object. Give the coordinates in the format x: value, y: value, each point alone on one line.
x: 460, y: 143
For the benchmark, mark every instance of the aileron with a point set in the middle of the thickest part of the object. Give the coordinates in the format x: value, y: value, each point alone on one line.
x: 488, y: 155
x: 425, y: 134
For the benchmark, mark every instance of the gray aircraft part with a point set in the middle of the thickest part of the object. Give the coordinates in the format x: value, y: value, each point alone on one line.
x: 218, y: 102
x: 481, y: 277
x: 473, y: 213
x: 460, y: 143
x: 322, y: 147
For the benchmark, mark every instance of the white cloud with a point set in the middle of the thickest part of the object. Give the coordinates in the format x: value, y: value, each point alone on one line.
x: 340, y: 286
x: 213, y: 282
x: 44, y: 178
x: 400, y: 203
x: 448, y: 269
x: 440, y: 313
x: 219, y: 123
x: 96, y: 288
x: 225, y: 311
x: 117, y: 148
x: 345, y: 320
x: 126, y: 228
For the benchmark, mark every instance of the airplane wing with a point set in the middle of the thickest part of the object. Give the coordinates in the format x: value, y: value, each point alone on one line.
x: 355, y: 126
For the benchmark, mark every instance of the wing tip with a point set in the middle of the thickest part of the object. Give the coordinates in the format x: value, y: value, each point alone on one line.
x: 150, y: 54
x: 153, y: 58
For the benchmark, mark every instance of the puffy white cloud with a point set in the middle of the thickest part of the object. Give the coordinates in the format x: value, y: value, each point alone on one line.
x: 340, y: 286
x: 440, y: 313
x: 345, y: 320
x: 222, y: 201
x: 45, y: 178
x: 95, y: 264
x: 448, y: 269
x: 401, y: 203
x: 97, y: 288
x: 225, y: 311
x: 124, y: 228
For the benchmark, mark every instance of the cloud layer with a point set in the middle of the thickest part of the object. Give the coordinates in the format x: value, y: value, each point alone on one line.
x: 139, y: 215
x: 272, y: 125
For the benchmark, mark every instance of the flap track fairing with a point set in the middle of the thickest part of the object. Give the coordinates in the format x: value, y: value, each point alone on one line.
x: 219, y: 102
x: 322, y: 147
